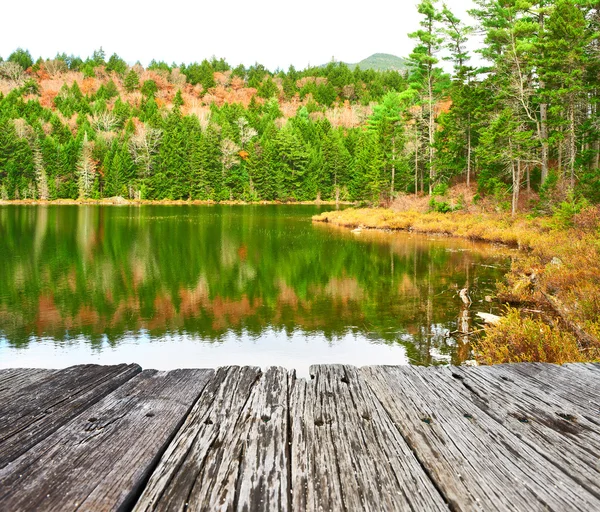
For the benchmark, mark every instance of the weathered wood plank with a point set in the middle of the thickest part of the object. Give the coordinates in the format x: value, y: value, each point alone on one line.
x: 231, y: 453
x: 547, y: 423
x: 13, y: 379
x: 566, y: 382
x: 346, y: 453
x: 101, y: 459
x: 476, y: 462
x: 32, y: 412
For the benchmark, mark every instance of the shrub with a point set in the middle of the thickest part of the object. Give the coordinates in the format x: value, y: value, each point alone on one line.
x: 521, y: 339
x: 440, y: 206
x: 440, y: 189
x: 565, y: 212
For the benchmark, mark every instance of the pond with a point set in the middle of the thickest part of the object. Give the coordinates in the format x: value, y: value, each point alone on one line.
x: 205, y: 286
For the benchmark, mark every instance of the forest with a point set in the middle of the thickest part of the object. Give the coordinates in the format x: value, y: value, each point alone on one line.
x: 525, y: 118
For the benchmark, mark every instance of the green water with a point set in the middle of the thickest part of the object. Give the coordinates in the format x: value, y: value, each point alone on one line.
x: 202, y: 286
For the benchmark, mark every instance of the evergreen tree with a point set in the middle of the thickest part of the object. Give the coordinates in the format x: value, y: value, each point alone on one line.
x: 132, y: 81
x: 565, y: 52
x: 21, y: 57
x: 423, y: 56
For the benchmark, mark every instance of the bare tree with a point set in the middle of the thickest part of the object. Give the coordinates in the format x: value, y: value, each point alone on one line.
x: 229, y: 154
x: 86, y: 168
x: 104, y: 121
x: 143, y: 146
x: 55, y: 67
x: 41, y: 178
x: 247, y: 133
x: 13, y: 73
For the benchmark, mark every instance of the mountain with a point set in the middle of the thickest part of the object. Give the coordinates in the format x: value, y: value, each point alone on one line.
x: 381, y: 62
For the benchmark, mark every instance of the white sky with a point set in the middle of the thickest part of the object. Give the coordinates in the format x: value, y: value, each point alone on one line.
x: 274, y: 33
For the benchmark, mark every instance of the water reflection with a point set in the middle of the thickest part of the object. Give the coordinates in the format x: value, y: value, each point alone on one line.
x: 203, y: 286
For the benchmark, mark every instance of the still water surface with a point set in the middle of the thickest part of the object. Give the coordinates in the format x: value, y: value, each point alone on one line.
x: 204, y: 286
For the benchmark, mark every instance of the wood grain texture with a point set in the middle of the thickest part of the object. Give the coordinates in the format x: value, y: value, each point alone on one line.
x: 46, y: 401
x: 346, y: 453
x: 101, y: 459
x: 13, y: 379
x: 545, y: 422
x: 507, y: 437
x: 578, y: 384
x: 231, y: 453
x: 475, y: 460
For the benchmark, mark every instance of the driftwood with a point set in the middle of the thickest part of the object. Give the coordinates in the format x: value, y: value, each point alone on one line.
x: 488, y: 318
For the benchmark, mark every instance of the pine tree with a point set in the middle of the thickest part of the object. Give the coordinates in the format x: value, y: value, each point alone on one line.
x: 564, y: 48
x: 424, y: 57
x: 132, y: 81
x: 458, y: 124
x: 386, y: 123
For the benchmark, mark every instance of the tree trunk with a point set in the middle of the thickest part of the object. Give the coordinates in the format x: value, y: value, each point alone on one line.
x: 431, y: 132
x: 416, y: 159
x: 543, y: 119
x: 560, y: 166
x: 516, y: 175
x: 573, y: 149
x: 393, y: 166
x: 544, y: 137
x: 469, y: 150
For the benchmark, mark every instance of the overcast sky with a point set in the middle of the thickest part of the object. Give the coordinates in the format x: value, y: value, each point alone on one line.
x: 274, y: 33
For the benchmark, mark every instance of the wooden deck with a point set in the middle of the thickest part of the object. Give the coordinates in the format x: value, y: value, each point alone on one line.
x: 508, y: 437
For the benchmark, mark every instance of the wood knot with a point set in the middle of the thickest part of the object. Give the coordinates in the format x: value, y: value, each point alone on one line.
x: 569, y: 417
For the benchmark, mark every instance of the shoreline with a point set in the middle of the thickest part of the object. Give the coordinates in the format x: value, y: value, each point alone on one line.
x: 547, y: 273
x: 120, y: 201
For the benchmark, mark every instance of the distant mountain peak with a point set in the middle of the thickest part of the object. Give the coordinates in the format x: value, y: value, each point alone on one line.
x: 382, y: 62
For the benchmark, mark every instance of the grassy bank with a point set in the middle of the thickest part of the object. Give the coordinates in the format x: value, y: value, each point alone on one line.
x: 136, y: 202
x: 558, y: 267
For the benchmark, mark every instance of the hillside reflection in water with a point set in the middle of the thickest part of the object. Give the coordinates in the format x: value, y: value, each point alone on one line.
x: 203, y: 286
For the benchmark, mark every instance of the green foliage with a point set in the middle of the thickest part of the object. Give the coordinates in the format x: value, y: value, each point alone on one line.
x: 441, y: 206
x: 116, y: 64
x: 440, y: 189
x: 98, y: 57
x: 202, y: 74
x: 149, y: 88
x: 132, y: 81
x: 178, y: 99
x: 565, y: 212
x: 21, y: 57
x: 536, y: 101
x: 159, y: 66
x: 268, y: 89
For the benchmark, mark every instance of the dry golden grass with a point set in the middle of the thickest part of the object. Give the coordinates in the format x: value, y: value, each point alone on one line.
x: 517, y: 339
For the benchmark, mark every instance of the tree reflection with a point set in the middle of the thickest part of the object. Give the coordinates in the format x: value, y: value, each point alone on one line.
x: 102, y: 272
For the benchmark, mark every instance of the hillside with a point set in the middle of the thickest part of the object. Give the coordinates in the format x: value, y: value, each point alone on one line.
x: 382, y: 62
